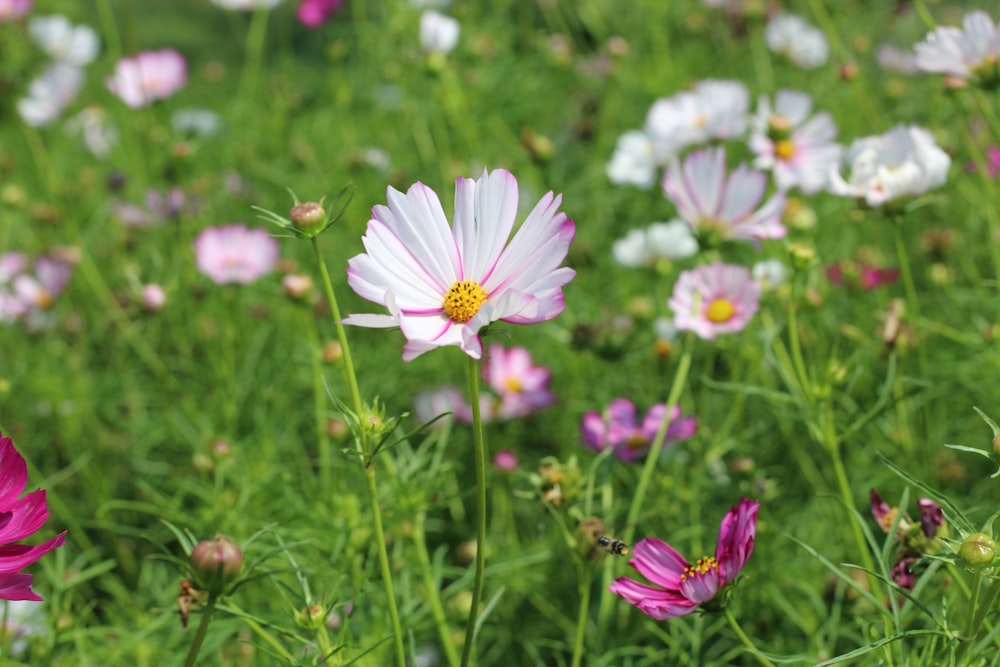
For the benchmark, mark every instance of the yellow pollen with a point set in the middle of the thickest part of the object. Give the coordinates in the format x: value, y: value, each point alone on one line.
x: 463, y: 300
x: 43, y: 300
x: 514, y: 385
x: 700, y: 122
x: 704, y: 565
x: 720, y: 310
x: 784, y: 149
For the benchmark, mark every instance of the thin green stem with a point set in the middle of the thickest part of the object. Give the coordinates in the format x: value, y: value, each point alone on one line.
x: 433, y: 589
x: 199, y: 637
x: 361, y: 443
x: 106, y: 17
x: 746, y: 641
x: 581, y: 620
x: 798, y: 360
x: 256, y: 37
x: 912, y: 301
x: 479, y: 441
x: 319, y: 398
x: 260, y: 632
x: 653, y: 458
x: 40, y: 156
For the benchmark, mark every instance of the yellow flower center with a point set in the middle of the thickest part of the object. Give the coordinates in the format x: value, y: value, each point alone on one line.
x: 463, y: 300
x: 704, y: 565
x: 43, y: 300
x: 784, y: 149
x: 720, y: 310
x: 514, y: 385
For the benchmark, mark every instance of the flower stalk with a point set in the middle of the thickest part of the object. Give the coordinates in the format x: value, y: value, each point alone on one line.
x: 479, y: 444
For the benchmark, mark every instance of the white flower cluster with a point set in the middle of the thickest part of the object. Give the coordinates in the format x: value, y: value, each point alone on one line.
x: 71, y: 48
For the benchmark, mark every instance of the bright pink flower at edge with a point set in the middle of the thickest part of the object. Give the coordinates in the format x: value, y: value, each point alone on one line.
x: 680, y: 586
x: 14, y: 9
x: 860, y: 275
x: 314, y: 13
x: 19, y: 518
x: 442, y: 284
x: 631, y: 440
x: 235, y: 254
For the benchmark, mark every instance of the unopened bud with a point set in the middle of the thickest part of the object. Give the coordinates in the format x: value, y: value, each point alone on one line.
x: 978, y: 550
x: 312, y: 617
x: 801, y: 256
x: 308, y: 214
x: 333, y: 352
x: 297, y: 285
x: 216, y: 563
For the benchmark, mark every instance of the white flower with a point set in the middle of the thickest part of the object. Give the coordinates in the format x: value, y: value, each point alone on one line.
x: 970, y: 52
x: 661, y: 240
x: 195, y: 122
x: 795, y: 144
x: 98, y: 131
x: 894, y: 59
x: 803, y: 44
x: 634, y: 161
x: 769, y: 274
x: 247, y: 5
x: 64, y: 42
x: 438, y: 33
x: 713, y: 110
x: 24, y: 619
x: 905, y: 161
x: 50, y: 93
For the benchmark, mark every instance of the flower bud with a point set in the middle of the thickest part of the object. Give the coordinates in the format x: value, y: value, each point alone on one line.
x: 978, y: 551
x: 216, y: 563
x: 312, y: 617
x: 307, y: 215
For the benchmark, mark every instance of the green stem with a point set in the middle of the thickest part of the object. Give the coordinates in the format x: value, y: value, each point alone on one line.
x: 256, y: 37
x: 319, y: 398
x: 581, y: 621
x: 110, y: 29
x: 433, y: 589
x: 199, y: 638
x: 745, y: 639
x: 912, y: 301
x: 653, y: 458
x: 480, y: 456
x: 361, y: 442
x: 261, y: 632
x: 40, y: 156
x: 798, y: 360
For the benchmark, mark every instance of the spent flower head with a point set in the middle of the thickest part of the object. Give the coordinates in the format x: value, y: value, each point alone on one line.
x: 443, y: 284
x: 681, y: 586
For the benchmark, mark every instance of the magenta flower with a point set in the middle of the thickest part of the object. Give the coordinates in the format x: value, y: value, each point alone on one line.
x: 680, y: 586
x: 19, y: 518
x: 235, y: 254
x: 314, y: 13
x: 443, y: 284
x: 148, y: 76
x: 618, y: 428
x: 14, y: 9
x: 727, y: 206
x: 860, y: 275
x: 521, y: 386
x: 992, y: 162
x: 714, y: 299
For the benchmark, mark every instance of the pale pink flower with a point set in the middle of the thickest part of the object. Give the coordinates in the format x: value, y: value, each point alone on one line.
x: 443, y: 284
x: 798, y: 146
x: 247, y: 5
x: 148, y: 76
x: 894, y: 59
x: 154, y: 297
x: 314, y: 13
x: 11, y: 10
x: 970, y: 52
x: 717, y: 205
x: 235, y: 254
x: 903, y: 162
x: 680, y: 586
x: 521, y: 386
x: 505, y: 461
x: 446, y: 399
x: 714, y: 299
x: 32, y: 293
x: 618, y: 428
x: 20, y: 518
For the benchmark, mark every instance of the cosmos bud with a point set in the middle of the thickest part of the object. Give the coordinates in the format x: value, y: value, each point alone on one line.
x: 978, y: 551
x: 216, y: 563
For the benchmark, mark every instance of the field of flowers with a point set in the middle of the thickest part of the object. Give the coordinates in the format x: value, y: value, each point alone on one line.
x: 526, y: 332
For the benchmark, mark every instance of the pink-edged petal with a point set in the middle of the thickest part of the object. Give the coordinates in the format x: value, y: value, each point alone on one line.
x: 371, y: 321
x: 17, y: 586
x: 418, y: 221
x: 13, y: 473
x: 389, y: 264
x: 511, y: 306
x: 16, y: 557
x: 27, y: 515
x: 658, y: 562
x: 705, y: 179
x: 538, y: 247
x: 481, y: 237
x: 743, y: 192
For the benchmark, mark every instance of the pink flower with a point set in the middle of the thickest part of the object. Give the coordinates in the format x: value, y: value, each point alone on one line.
x: 714, y: 299
x: 19, y: 518
x: 235, y: 254
x: 153, y: 297
x: 148, y: 76
x: 680, y: 586
x: 14, y: 9
x: 442, y: 284
x: 971, y: 52
x: 715, y: 204
x: 798, y: 146
x: 992, y: 162
x: 505, y: 461
x: 314, y: 13
x: 521, y: 386
x: 631, y: 440
x: 32, y: 294
x: 860, y: 275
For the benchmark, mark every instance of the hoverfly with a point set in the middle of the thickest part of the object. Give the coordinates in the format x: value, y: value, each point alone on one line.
x: 616, y: 547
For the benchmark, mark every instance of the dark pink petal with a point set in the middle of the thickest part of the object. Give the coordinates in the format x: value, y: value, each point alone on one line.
x: 659, y: 562
x: 28, y: 515
x: 931, y: 516
x: 17, y: 586
x: 736, y: 538
x: 880, y: 508
x: 13, y: 473
x: 16, y: 557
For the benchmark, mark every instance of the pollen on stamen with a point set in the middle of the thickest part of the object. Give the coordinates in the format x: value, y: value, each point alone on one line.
x: 720, y: 310
x: 463, y: 300
x: 784, y: 149
x: 704, y: 565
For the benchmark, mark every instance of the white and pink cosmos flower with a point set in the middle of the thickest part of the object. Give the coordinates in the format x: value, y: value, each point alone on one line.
x: 148, y: 76
x: 714, y: 299
x: 235, y: 254
x: 903, y: 162
x: 28, y: 295
x: 971, y: 52
x: 798, y: 146
x: 520, y: 385
x: 680, y: 586
x: 443, y: 284
x: 721, y: 206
